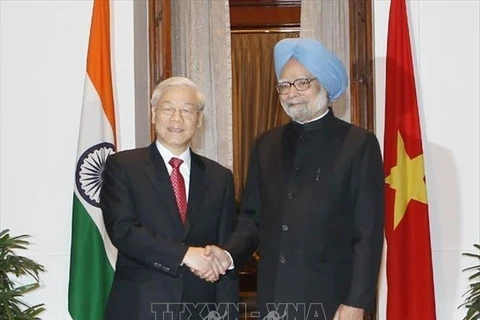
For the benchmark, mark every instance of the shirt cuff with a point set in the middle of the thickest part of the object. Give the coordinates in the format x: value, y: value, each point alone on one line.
x: 232, y: 265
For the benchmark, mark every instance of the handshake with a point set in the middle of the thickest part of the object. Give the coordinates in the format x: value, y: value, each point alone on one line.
x: 207, y: 263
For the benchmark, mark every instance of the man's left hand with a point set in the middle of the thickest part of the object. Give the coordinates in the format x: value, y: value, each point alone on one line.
x: 345, y: 312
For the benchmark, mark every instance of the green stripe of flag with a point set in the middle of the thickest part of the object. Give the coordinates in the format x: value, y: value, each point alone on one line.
x: 87, y: 294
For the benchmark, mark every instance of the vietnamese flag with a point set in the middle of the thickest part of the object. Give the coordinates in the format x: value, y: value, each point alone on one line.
x: 409, y: 262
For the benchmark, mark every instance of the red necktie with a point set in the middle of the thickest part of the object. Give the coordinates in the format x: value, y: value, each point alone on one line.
x: 178, y: 184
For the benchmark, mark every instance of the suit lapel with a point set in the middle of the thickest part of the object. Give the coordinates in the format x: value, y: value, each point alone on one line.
x: 157, y: 174
x: 198, y: 185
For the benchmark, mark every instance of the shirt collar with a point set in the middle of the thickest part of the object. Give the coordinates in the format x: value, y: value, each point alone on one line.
x: 315, y: 119
x: 167, y: 154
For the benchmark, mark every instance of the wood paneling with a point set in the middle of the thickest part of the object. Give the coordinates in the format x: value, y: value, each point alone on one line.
x: 265, y: 3
x: 254, y: 17
x: 160, y: 43
x: 361, y: 64
x: 257, y: 14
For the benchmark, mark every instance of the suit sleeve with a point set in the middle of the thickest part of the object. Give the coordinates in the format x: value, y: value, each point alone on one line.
x: 228, y: 218
x: 227, y: 286
x: 125, y: 231
x: 244, y: 241
x: 368, y: 214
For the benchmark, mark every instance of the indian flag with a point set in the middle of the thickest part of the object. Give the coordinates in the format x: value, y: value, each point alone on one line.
x: 93, y: 256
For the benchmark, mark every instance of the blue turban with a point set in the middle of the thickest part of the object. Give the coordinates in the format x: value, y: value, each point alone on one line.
x: 317, y: 59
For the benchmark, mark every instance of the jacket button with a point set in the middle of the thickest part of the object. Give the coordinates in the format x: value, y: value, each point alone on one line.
x: 285, y: 227
x: 282, y: 260
x: 290, y: 195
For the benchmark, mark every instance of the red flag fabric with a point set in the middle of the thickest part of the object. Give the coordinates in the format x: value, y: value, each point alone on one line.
x: 409, y: 263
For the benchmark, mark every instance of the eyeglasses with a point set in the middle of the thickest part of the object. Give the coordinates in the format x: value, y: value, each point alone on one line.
x: 168, y: 111
x: 301, y: 84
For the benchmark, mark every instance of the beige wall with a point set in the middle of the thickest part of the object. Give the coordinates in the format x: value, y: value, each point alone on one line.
x: 445, y: 40
x: 43, y: 57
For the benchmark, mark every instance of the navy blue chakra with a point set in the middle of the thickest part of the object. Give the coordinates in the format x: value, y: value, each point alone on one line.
x: 88, y: 175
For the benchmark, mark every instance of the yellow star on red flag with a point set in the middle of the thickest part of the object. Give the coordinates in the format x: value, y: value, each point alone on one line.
x: 407, y: 179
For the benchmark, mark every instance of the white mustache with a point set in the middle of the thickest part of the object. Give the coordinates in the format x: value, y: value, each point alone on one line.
x: 293, y: 103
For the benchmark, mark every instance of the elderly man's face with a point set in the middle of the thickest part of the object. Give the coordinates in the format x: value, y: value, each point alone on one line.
x: 302, y: 106
x: 176, y: 118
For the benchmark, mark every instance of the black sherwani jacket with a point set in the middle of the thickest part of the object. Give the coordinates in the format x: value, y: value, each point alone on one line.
x: 314, y: 204
x: 142, y: 219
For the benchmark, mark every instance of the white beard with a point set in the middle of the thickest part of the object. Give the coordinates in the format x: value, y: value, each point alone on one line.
x: 304, y: 111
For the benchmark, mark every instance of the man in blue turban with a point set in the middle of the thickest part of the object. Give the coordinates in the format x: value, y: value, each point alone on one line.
x: 317, y: 59
x: 313, y: 201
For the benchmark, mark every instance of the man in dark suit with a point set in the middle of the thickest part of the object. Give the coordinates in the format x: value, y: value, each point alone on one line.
x: 313, y: 202
x: 162, y: 205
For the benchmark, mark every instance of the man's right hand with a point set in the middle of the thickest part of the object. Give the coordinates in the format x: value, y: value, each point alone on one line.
x: 220, y: 257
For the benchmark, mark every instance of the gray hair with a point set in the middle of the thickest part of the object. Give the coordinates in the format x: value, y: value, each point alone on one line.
x: 177, y: 82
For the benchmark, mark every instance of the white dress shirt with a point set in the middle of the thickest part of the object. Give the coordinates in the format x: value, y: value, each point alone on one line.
x: 184, y: 167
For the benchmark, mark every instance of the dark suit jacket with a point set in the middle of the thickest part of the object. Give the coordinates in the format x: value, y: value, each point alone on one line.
x: 313, y: 203
x: 143, y: 222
